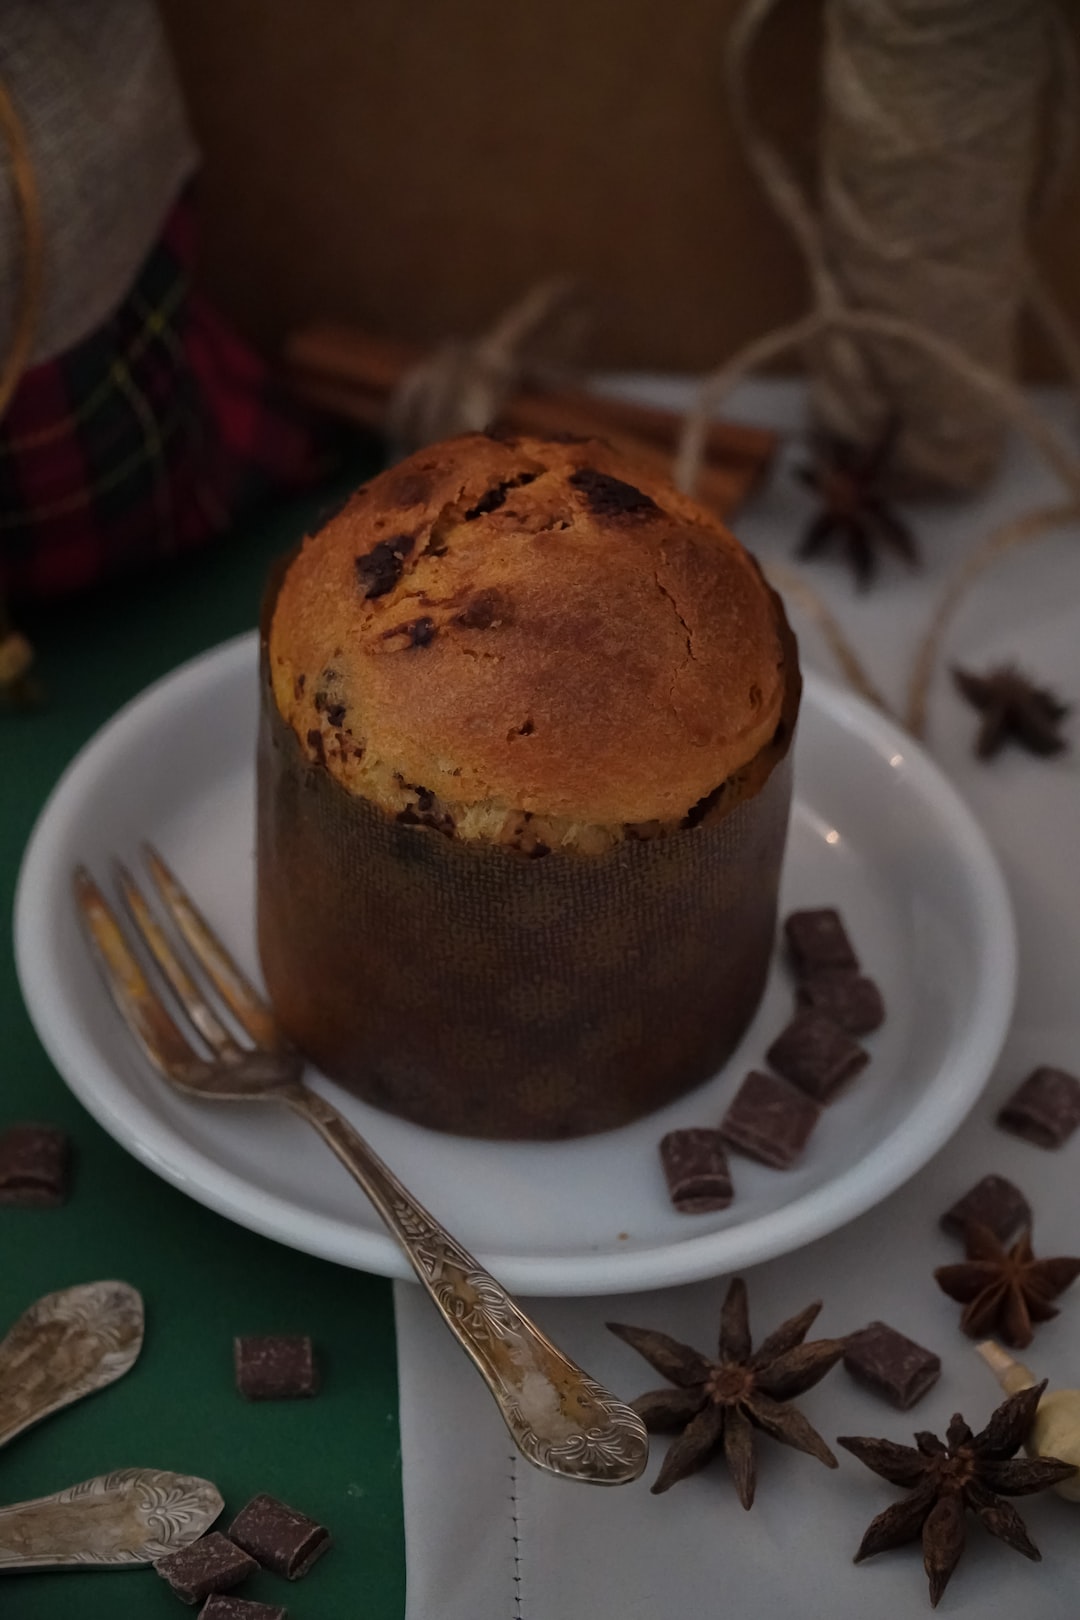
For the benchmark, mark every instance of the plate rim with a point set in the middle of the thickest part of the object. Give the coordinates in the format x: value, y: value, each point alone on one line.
x: 921, y: 1134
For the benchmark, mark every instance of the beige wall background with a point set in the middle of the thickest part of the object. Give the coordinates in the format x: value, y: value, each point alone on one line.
x: 413, y: 165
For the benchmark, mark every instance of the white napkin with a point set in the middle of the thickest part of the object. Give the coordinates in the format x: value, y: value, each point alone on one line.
x: 489, y: 1538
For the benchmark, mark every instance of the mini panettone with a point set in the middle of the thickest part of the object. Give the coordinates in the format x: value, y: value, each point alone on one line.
x: 523, y: 789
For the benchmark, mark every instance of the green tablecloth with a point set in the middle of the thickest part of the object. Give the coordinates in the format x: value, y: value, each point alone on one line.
x: 336, y: 1457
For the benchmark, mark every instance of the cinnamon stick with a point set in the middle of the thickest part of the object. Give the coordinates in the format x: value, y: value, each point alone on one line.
x: 353, y: 372
x: 722, y: 486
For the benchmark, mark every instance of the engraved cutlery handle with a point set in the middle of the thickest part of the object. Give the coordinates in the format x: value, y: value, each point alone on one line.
x: 129, y: 1517
x: 561, y: 1419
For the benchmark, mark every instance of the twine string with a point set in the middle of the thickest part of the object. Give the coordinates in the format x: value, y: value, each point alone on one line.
x: 934, y: 141
x: 462, y: 385
x: 1012, y: 403
x: 1019, y: 531
x: 877, y: 240
x: 780, y: 184
x: 833, y: 324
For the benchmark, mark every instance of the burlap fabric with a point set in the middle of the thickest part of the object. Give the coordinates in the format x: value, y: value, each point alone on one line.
x: 95, y: 90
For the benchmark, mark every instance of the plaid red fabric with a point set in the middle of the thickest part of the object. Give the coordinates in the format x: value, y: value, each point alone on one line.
x: 145, y: 440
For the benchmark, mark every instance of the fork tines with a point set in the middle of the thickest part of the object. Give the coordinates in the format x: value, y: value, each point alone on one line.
x: 174, y: 1053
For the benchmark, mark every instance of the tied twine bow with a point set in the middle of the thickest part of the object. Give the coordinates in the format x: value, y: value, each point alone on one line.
x: 834, y: 325
x: 462, y: 385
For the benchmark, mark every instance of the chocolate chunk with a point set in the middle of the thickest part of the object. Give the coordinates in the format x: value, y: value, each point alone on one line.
x: 211, y: 1564
x: 334, y: 712
x: 816, y: 1055
x: 770, y: 1120
x: 994, y: 1203
x: 611, y: 497
x: 316, y: 744
x: 817, y: 940
x: 426, y: 812
x: 496, y: 495
x: 696, y: 1168
x: 893, y: 1366
x: 234, y: 1608
x: 281, y: 1539
x: 380, y: 569
x: 275, y: 1367
x: 487, y: 608
x: 421, y: 632
x: 33, y: 1166
x: 413, y: 633
x: 849, y: 999
x: 1045, y: 1110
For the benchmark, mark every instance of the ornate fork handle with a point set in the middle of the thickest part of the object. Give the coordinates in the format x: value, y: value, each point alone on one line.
x: 559, y: 1417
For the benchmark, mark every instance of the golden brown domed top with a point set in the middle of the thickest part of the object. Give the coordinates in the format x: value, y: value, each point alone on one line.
x: 504, y: 633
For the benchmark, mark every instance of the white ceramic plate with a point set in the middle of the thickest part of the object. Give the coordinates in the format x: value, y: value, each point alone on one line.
x: 876, y: 830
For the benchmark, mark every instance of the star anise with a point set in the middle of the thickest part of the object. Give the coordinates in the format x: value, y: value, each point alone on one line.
x: 1003, y: 1290
x: 965, y: 1472
x: 719, y: 1404
x: 1013, y: 707
x: 855, y: 511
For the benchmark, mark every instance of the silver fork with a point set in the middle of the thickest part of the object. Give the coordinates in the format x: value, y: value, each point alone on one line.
x: 560, y: 1419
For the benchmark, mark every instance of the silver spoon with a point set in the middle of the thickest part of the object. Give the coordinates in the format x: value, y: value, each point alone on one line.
x: 129, y: 1517
x: 67, y: 1345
